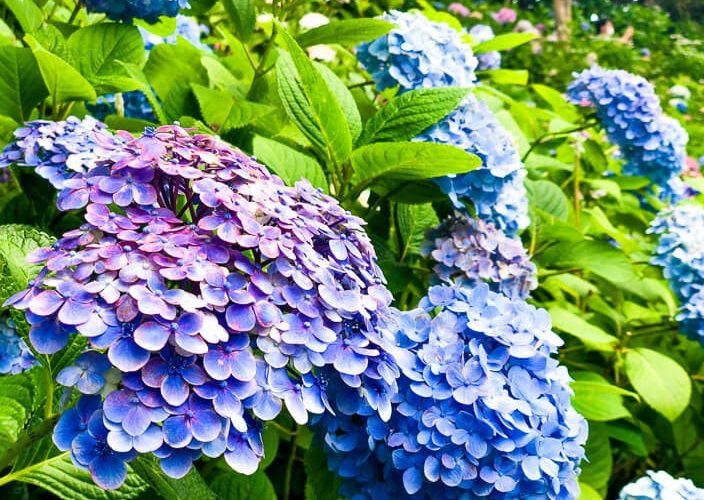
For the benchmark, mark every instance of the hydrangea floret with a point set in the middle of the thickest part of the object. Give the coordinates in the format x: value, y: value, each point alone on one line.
x: 128, y: 10
x: 218, y: 294
x: 483, y: 408
x: 470, y: 251
x: 661, y: 485
x: 15, y: 356
x: 680, y: 252
x: 652, y: 144
x: 487, y: 60
x: 419, y: 53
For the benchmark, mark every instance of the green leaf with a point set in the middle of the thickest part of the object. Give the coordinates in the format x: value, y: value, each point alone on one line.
x: 60, y: 477
x: 27, y: 13
x: 243, y: 15
x: 346, y: 32
x: 321, y: 484
x: 411, y: 113
x: 344, y: 97
x: 548, y: 197
x: 543, y: 162
x: 586, y: 492
x: 270, y: 439
x: 21, y: 84
x: 596, y: 469
x: 505, y: 41
x: 165, y: 27
x: 233, y: 486
x: 662, y: 382
x: 171, y: 69
x: 289, y: 164
x: 597, y: 400
x: 406, y: 161
x: 505, y: 76
x: 590, y: 335
x: 109, y: 44
x: 16, y: 242
x: 223, y: 112
x: 62, y: 80
x: 304, y: 90
x: 557, y: 102
x: 189, y: 487
x: 599, y: 257
x: 413, y: 221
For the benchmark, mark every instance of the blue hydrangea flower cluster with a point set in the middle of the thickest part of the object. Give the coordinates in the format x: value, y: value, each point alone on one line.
x: 652, y: 144
x: 419, y: 53
x: 487, y: 60
x: 660, y: 485
x: 471, y: 251
x: 60, y: 152
x: 483, y: 409
x: 15, y: 356
x: 186, y: 27
x: 217, y: 294
x: 680, y: 252
x: 127, y: 10
x: 134, y: 104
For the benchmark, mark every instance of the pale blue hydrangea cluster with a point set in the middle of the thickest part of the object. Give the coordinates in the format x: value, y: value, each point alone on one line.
x: 471, y: 251
x: 186, y: 27
x: 652, y: 144
x: 419, y: 53
x: 680, y: 252
x: 483, y: 409
x: 487, y: 60
x: 661, y: 486
x: 15, y: 356
x: 128, y: 10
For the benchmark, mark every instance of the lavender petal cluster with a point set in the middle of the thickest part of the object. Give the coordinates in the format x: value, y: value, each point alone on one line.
x: 60, y: 152
x: 660, y: 485
x: 419, y: 53
x: 483, y: 408
x: 218, y: 295
x: 15, y: 356
x: 680, y: 252
x: 470, y: 251
x: 128, y: 10
x: 652, y: 144
x: 487, y: 60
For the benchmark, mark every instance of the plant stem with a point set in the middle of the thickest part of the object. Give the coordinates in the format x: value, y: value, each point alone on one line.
x: 549, y: 135
x: 75, y: 12
x: 49, y: 379
x: 577, y: 192
x: 34, y: 434
x: 260, y: 70
x: 289, y: 466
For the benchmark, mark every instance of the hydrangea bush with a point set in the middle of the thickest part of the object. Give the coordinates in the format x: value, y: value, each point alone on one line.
x: 338, y: 265
x: 660, y: 485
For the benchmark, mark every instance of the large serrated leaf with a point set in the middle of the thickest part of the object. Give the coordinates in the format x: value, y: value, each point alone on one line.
x: 233, y: 486
x: 548, y: 197
x: 407, y: 161
x: 592, y: 336
x: 287, y: 163
x: 504, y: 41
x: 411, y: 113
x: 60, y: 477
x: 325, y: 113
x: 16, y: 242
x: 21, y: 83
x: 27, y: 13
x: 596, y: 469
x: 222, y: 112
x: 597, y: 400
x: 110, y: 44
x: 242, y: 13
x: 63, y: 82
x: 661, y: 381
x: 345, y: 32
x: 413, y: 221
x: 190, y: 487
x: 344, y: 97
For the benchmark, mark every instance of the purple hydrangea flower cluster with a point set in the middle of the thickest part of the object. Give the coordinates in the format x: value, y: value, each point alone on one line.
x: 15, y: 356
x: 487, y: 60
x: 127, y: 10
x: 652, y: 144
x: 483, y: 409
x: 471, y: 251
x: 661, y: 485
x: 59, y: 152
x: 680, y: 252
x: 419, y: 53
x: 219, y: 295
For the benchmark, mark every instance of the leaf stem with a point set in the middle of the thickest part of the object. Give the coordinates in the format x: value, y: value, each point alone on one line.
x: 260, y: 70
x: 289, y: 466
x: 75, y: 12
x: 49, y: 380
x: 549, y: 135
